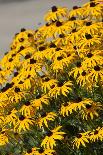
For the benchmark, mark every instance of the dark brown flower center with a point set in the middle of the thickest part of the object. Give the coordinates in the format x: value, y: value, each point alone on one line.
x: 88, y: 36
x: 23, y: 29
x: 46, y: 79
x: 21, y: 48
x: 78, y: 64
x: 21, y: 82
x: 57, y: 49
x: 49, y: 133
x: 27, y: 103
x: 52, y: 45
x: 97, y: 68
x: 30, y: 35
x: 15, y: 74
x: 52, y: 86
x: 13, y: 55
x: 79, y: 135
x: 89, y: 55
x: 32, y: 61
x: 21, y: 39
x: 88, y: 106
x: 61, y: 35
x: 21, y: 118
x: 54, y: 8
x: 88, y: 23
x: 75, y: 7
x: 42, y: 48
x: 60, y: 84
x: 41, y: 150
x: 83, y: 73
x: 74, y: 30
x: 96, y: 132
x: 92, y: 4
x: 27, y: 56
x: 72, y: 18
x: 17, y: 90
x: 58, y: 23
x: 59, y: 58
x: 10, y: 60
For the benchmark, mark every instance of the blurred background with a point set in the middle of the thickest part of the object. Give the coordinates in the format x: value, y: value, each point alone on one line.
x: 16, y: 14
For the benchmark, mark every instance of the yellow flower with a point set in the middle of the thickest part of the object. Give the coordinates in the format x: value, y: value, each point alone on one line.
x: 96, y: 134
x: 91, y: 59
x: 81, y: 139
x: 61, y: 88
x: 23, y: 123
x: 39, y: 101
x: 11, y: 118
x: 76, y: 11
x: 48, y: 83
x: 69, y: 107
x: 4, y: 139
x: 90, y: 110
x: 93, y: 9
x: 45, y: 117
x: 88, y: 40
x: 55, y: 13
x: 27, y: 109
x: 50, y: 140
x: 96, y: 74
x: 40, y: 151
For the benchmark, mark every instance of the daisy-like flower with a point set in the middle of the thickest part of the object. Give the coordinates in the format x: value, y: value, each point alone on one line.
x: 94, y: 9
x: 40, y: 151
x: 91, y: 109
x: 81, y: 139
x: 47, y: 30
x: 76, y: 71
x: 11, y: 118
x: 61, y: 88
x: 39, y: 101
x: 92, y: 58
x: 83, y: 79
x: 69, y: 107
x: 45, y: 117
x: 23, y: 124
x: 96, y: 134
x: 76, y: 12
x: 62, y: 61
x: 47, y: 83
x: 55, y: 13
x: 4, y: 138
x: 90, y: 28
x: 88, y: 40
x: 96, y: 74
x: 16, y: 95
x: 50, y: 140
x: 27, y: 109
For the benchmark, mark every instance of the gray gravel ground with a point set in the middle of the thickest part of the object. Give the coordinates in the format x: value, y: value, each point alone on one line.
x: 15, y: 14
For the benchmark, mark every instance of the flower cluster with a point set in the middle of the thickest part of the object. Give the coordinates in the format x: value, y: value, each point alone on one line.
x: 51, y: 85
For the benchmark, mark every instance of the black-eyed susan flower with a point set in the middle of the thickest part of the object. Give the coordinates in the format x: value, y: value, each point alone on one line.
x: 23, y: 123
x: 81, y: 139
x: 40, y: 100
x: 61, y: 88
x: 45, y: 118
x: 55, y: 13
x: 91, y: 109
x: 50, y: 140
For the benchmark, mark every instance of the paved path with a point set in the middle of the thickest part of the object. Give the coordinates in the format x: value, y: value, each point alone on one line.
x: 15, y: 14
